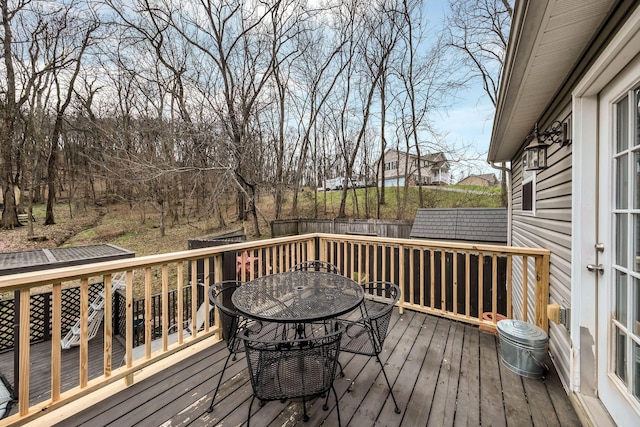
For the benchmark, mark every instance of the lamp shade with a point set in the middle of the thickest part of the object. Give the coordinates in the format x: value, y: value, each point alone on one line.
x: 535, y: 155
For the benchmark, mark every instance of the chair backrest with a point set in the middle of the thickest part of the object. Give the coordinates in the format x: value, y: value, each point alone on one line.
x: 294, y: 368
x: 220, y: 296
x: 316, y: 265
x: 379, y: 299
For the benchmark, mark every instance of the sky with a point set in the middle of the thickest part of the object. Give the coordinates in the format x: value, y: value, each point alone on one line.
x: 469, y: 120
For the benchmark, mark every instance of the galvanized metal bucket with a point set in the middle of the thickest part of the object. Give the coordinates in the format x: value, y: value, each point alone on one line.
x: 523, y: 347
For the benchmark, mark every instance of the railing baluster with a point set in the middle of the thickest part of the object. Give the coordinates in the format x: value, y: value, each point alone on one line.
x: 56, y: 338
x: 367, y: 264
x: 392, y: 261
x: 148, y: 314
x: 411, y: 275
x: 84, y: 332
x: 280, y: 259
x: 401, y: 277
x: 455, y: 282
x: 357, y: 265
x: 432, y: 284
x: 344, y: 251
x: 165, y: 307
x: 467, y: 284
x: 24, y: 356
x: 194, y: 298
x: 108, y: 332
x: 129, y: 325
x: 480, y: 284
x: 525, y: 288
x: 375, y: 261
x: 353, y: 260
x: 268, y: 261
x: 383, y: 262
x: 509, y: 286
x: 422, y: 279
x: 443, y: 281
x: 180, y: 292
x: 494, y: 288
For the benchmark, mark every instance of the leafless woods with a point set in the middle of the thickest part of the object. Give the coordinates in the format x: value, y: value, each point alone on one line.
x: 173, y: 104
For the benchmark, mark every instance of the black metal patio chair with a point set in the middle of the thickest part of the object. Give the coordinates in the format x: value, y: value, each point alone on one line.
x: 291, y: 369
x: 366, y: 335
x: 316, y: 265
x: 233, y: 324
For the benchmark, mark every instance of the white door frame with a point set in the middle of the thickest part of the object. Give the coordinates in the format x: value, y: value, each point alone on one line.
x: 589, y: 347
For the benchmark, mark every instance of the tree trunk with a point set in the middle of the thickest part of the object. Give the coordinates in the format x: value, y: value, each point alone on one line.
x: 9, y: 212
x: 51, y: 173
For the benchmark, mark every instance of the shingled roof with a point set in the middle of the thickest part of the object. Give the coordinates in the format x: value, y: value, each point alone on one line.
x: 42, y: 259
x: 487, y: 225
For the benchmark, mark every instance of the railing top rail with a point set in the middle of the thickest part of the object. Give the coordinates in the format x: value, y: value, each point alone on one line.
x: 438, y: 244
x: 46, y: 277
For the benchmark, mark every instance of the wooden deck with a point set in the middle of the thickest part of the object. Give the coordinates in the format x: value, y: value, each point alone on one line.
x: 444, y: 373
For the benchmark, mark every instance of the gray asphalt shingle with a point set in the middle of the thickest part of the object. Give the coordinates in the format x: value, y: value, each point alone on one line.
x: 469, y: 224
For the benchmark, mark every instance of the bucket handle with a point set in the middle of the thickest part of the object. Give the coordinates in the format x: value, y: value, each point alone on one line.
x: 537, y: 362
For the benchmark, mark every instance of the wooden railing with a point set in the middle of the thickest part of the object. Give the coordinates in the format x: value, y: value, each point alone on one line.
x: 457, y: 281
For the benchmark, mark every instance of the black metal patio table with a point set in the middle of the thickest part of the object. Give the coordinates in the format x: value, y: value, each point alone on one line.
x: 298, y: 297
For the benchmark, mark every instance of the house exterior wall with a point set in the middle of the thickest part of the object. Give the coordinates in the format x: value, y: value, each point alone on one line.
x: 395, y: 166
x: 572, y: 212
x: 399, y: 166
x: 547, y: 226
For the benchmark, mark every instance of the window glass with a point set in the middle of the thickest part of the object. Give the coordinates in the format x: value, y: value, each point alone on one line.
x: 621, y: 355
x: 622, y: 231
x: 528, y: 189
x: 635, y: 262
x: 622, y: 125
x: 622, y: 181
x: 636, y: 180
x: 636, y: 115
x: 636, y: 369
x: 635, y: 327
x: 621, y: 297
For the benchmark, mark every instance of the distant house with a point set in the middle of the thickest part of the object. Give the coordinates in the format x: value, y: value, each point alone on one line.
x: 400, y: 167
x: 485, y: 180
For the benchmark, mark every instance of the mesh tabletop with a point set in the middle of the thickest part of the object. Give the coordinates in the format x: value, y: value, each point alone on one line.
x: 298, y: 296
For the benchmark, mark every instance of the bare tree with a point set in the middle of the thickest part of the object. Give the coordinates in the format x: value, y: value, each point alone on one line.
x: 67, y: 50
x: 15, y: 53
x: 377, y: 46
x: 479, y: 30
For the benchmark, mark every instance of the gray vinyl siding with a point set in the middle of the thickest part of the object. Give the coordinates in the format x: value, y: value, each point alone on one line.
x: 549, y: 226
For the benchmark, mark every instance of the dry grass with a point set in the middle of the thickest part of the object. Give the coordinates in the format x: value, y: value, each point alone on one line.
x: 138, y: 230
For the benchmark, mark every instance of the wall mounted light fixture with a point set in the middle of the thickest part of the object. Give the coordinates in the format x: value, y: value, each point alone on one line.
x: 535, y: 153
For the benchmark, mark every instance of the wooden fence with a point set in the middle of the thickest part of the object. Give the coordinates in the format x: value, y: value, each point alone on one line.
x: 370, y: 227
x: 439, y: 278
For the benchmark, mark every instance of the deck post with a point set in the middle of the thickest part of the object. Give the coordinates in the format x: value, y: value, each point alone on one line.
x: 542, y: 292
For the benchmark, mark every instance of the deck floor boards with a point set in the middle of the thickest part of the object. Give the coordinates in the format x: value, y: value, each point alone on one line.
x: 491, y: 399
x: 40, y: 366
x: 468, y: 401
x: 443, y: 373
